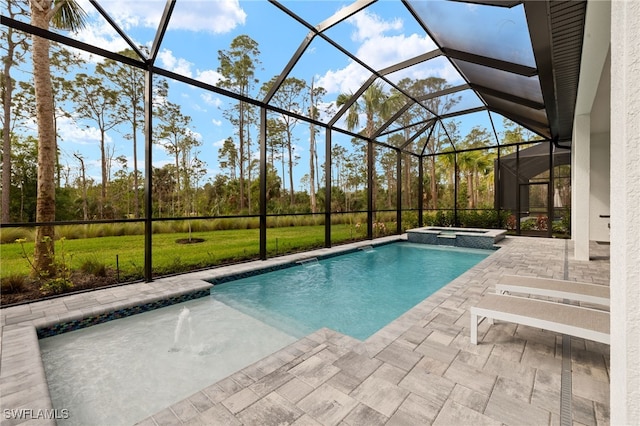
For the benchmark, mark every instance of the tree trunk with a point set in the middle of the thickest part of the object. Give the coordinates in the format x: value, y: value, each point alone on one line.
x: 242, y: 156
x: 434, y: 184
x: 176, y: 197
x: 389, y: 180
x: 284, y: 177
x: 45, y: 201
x: 374, y: 184
x: 6, y: 130
x: 312, y: 170
x: 470, y: 190
x: 136, y: 203
x: 312, y: 155
x: 406, y: 181
x: 85, y: 210
x: 249, y: 166
x: 290, y: 151
x: 103, y: 166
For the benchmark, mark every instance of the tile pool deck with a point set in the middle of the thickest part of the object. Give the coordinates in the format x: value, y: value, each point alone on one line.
x: 420, y: 369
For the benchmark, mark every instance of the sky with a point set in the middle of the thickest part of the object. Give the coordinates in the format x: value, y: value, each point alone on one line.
x: 381, y: 35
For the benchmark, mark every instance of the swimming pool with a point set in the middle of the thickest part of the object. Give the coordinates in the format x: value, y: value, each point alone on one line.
x: 356, y: 294
x: 122, y: 371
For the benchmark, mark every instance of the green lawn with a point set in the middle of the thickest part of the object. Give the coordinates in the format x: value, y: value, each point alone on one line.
x: 218, y: 247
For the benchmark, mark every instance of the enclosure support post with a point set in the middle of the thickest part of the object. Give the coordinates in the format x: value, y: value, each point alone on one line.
x: 370, y: 176
x: 455, y: 189
x: 517, y: 191
x: 551, y: 209
x: 263, y: 183
x: 399, y: 193
x: 148, y: 171
x: 327, y: 189
x: 498, y: 188
x: 420, y: 191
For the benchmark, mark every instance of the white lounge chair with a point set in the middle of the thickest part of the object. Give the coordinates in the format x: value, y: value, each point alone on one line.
x: 561, y: 289
x: 591, y: 324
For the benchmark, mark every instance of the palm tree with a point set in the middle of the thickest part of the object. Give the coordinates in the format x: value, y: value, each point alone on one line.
x: 375, y: 104
x: 61, y: 14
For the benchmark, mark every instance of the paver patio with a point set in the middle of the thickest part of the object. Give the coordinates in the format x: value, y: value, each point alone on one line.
x: 420, y: 369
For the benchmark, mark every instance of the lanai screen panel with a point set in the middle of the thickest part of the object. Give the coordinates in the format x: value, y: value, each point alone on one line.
x: 521, y: 168
x: 490, y: 31
x: 534, y: 119
x: 491, y: 47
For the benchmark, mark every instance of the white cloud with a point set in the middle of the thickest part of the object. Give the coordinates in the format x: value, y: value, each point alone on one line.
x: 178, y: 65
x: 344, y: 80
x: 216, y: 123
x: 369, y: 25
x: 380, y: 49
x: 209, y: 76
x: 196, y: 107
x: 195, y: 135
x: 219, y: 143
x: 72, y: 132
x: 210, y: 99
x: 472, y: 7
x: 103, y: 36
x: 183, y: 67
x: 217, y: 17
x: 381, y: 52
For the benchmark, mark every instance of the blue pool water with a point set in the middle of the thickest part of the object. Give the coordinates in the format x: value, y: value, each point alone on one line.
x: 356, y: 294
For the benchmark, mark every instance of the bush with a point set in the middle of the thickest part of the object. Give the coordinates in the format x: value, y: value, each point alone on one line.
x: 13, y: 284
x: 566, y: 219
x: 409, y: 220
x: 72, y: 232
x: 486, y: 219
x: 94, y: 267
x: 162, y: 228
x: 558, y: 227
x: 444, y: 218
x: 10, y: 235
x: 56, y: 286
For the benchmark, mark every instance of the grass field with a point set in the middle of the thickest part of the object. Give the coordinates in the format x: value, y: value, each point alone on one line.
x: 168, y: 256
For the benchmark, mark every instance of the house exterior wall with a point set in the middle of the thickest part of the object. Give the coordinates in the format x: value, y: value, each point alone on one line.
x: 625, y: 213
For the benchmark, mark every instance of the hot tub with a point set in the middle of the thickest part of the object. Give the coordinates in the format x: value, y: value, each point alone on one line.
x: 457, y: 237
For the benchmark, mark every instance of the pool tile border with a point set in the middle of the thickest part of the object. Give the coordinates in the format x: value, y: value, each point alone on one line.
x: 77, y: 324
x: 259, y: 271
